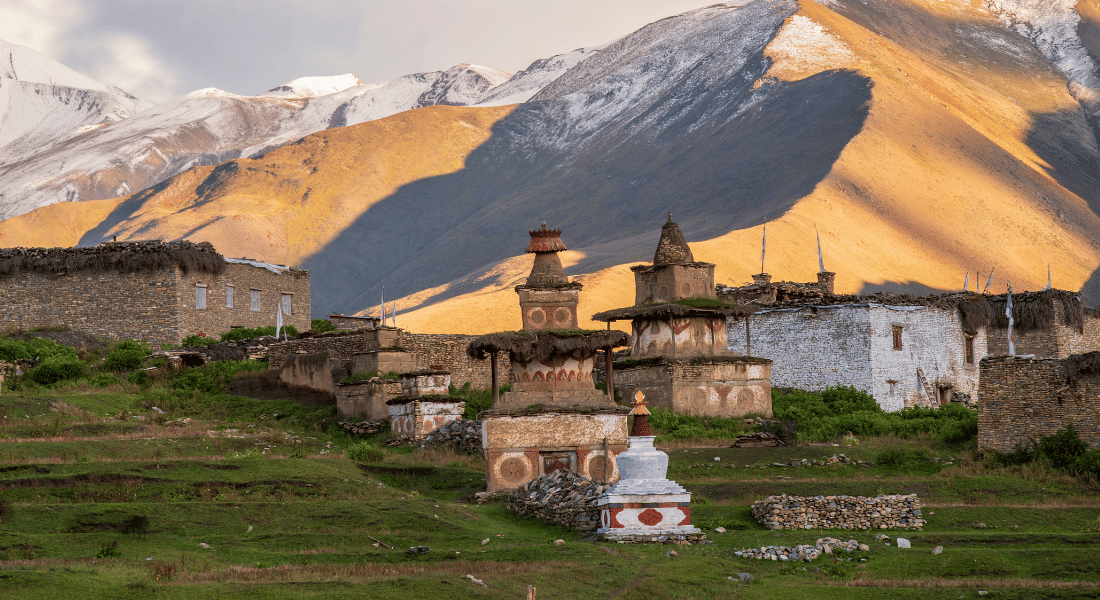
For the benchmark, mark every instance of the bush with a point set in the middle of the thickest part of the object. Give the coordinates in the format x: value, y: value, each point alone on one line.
x: 244, y: 333
x: 213, y: 377
x: 674, y: 426
x: 1062, y: 448
x: 139, y: 378
x: 126, y: 356
x: 102, y: 380
x: 364, y: 452
x: 321, y: 325
x: 1088, y: 464
x: 37, y: 349
x: 13, y: 350
x: 193, y: 341
x: 57, y: 368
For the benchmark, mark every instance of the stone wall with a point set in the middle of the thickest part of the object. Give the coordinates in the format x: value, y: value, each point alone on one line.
x: 366, y: 399
x: 1023, y: 399
x: 440, y: 352
x: 218, y: 317
x: 158, y: 306
x: 839, y: 512
x: 816, y: 347
x: 1059, y: 341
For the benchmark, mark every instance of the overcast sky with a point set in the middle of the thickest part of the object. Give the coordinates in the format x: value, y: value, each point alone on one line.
x: 157, y: 49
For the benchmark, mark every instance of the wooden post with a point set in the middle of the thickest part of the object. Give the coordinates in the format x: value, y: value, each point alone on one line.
x: 748, y: 338
x: 493, y: 371
x: 610, y: 379
x: 530, y: 592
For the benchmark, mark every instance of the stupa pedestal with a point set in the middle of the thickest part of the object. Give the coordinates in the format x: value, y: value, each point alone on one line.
x: 645, y: 506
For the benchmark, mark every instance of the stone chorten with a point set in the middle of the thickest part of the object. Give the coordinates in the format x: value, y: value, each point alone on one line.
x: 679, y: 328
x: 548, y: 300
x: 645, y: 506
x: 553, y: 417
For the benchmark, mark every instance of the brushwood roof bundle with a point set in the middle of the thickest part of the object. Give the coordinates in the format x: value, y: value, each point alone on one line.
x: 128, y: 257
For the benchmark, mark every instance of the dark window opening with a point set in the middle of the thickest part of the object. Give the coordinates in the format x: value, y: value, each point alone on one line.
x: 968, y: 349
x: 945, y: 395
x: 897, y: 337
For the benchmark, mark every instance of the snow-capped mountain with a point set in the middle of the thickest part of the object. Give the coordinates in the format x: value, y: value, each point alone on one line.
x: 116, y: 151
x: 43, y: 102
x: 923, y: 139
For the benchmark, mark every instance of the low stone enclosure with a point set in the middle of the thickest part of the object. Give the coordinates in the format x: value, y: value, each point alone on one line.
x: 892, y: 511
x: 1022, y: 399
x: 423, y: 405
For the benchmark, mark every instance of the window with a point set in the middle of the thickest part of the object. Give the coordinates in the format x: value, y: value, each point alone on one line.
x: 897, y: 337
x: 256, y: 300
x: 200, y: 295
x: 968, y: 348
x: 229, y: 295
x: 286, y: 303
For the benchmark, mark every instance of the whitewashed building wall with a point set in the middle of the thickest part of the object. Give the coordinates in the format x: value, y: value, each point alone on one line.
x: 813, y: 348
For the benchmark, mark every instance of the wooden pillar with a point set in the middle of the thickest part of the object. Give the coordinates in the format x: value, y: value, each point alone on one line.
x: 610, y: 378
x: 493, y: 375
x: 748, y: 338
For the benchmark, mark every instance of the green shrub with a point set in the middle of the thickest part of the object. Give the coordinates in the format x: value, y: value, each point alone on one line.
x: 321, y: 325
x: 12, y: 350
x: 37, y: 349
x: 212, y: 378
x: 141, y: 378
x: 102, y: 380
x: 126, y: 356
x: 193, y: 341
x: 244, y: 333
x: 675, y: 426
x: 1062, y: 448
x: 1088, y: 464
x: 57, y: 368
x: 364, y: 452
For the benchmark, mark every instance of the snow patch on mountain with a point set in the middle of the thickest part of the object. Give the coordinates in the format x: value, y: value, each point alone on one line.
x: 1051, y: 25
x: 23, y: 64
x: 312, y: 87
x: 803, y: 47
x: 525, y: 84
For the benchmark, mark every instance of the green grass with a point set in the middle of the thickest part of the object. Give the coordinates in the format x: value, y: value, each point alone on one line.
x: 103, y: 496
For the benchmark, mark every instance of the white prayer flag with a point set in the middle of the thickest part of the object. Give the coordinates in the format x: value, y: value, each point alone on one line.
x: 989, y: 282
x: 278, y: 318
x: 1008, y: 313
x: 763, y: 247
x: 966, y: 282
x: 820, y: 260
x: 1048, y: 278
x: 393, y: 313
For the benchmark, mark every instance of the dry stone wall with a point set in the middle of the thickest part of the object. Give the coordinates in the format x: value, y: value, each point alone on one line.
x: 440, y: 352
x: 563, y: 497
x: 1022, y: 399
x: 839, y: 512
x: 243, y: 279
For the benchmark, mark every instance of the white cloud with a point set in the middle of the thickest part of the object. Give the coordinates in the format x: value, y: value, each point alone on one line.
x: 41, y: 25
x: 127, y: 61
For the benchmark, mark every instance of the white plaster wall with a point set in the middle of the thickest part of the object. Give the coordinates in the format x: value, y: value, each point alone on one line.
x: 810, y: 350
x: 933, y: 341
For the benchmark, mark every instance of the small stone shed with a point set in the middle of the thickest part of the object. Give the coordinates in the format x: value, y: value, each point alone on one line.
x: 1021, y: 399
x: 151, y: 290
x: 680, y: 358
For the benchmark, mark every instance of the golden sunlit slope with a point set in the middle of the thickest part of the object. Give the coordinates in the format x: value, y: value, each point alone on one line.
x: 282, y: 206
x: 939, y: 143
x: 941, y: 180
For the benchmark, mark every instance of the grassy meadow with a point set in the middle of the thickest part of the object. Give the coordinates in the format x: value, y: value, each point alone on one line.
x: 155, y: 489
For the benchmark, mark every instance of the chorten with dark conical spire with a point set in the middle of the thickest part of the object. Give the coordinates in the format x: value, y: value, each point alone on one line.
x: 548, y: 300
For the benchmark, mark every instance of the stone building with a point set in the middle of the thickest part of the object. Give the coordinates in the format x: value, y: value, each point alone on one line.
x: 1023, y: 399
x: 904, y: 350
x: 680, y: 358
x: 156, y: 291
x: 553, y: 417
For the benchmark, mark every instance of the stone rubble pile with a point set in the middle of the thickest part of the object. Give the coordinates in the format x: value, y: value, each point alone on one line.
x: 802, y: 552
x: 836, y: 459
x: 463, y: 434
x: 364, y: 427
x: 563, y: 497
x: 893, y: 511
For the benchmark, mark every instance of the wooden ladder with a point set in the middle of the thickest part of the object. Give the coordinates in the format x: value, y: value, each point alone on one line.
x: 929, y: 393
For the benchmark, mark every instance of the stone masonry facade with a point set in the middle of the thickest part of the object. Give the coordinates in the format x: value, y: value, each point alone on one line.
x: 442, y: 352
x: 1022, y: 399
x: 1059, y: 341
x: 158, y: 306
x: 882, y: 350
